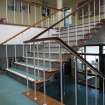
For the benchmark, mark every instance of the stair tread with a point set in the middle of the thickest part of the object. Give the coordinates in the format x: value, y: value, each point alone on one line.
x: 41, y: 68
x: 31, y: 77
x: 56, y: 52
x: 45, y: 59
x: 23, y: 74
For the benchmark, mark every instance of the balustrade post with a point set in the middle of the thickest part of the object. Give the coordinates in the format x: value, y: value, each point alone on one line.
x: 6, y: 10
x: 94, y: 13
x: 6, y: 55
x: 76, y: 88
x: 86, y: 87
x: 89, y: 19
x: 14, y: 14
x: 44, y: 79
x: 35, y: 76
x: 99, y: 11
x: 103, y: 91
x: 38, y: 65
x: 83, y: 22
x: 27, y: 70
x: 21, y: 12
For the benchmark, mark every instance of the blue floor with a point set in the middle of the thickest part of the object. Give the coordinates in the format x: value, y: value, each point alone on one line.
x: 11, y: 92
x: 69, y: 97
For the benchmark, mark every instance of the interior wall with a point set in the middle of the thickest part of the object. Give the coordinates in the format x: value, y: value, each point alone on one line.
x: 10, y: 53
x: 35, y: 13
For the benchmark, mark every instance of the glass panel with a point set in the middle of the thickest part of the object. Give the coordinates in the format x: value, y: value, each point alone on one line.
x: 92, y: 49
x: 94, y: 60
x: 91, y: 75
x: 103, y: 49
x: 81, y: 50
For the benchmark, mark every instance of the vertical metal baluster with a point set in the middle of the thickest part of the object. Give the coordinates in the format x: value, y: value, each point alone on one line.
x: 6, y: 55
x: 41, y: 16
x: 23, y: 49
x: 76, y: 98
x: 76, y: 33
x: 59, y: 36
x: 68, y: 35
x: 53, y: 19
x: 49, y: 46
x: 96, y: 97
x: 46, y: 19
x: 6, y: 10
x: 61, y: 77
x: 44, y: 78
x: 14, y: 12
x: 48, y: 22
x: 56, y: 19
x: 30, y: 47
x: 15, y: 52
x: 83, y: 22
x: 99, y: 11
x: 104, y: 8
x: 35, y: 85
x: 103, y: 91
x: 21, y: 12
x: 94, y: 13
x: 60, y: 58
x: 28, y: 6
x: 27, y: 71
x: 35, y: 13
x: 89, y: 16
x: 38, y: 59
x: 86, y: 87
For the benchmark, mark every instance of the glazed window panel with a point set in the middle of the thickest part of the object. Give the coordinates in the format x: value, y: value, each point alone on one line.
x: 11, y: 5
x: 92, y: 49
x: 18, y: 6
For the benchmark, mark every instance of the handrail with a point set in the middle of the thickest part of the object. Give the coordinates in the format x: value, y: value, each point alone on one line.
x: 33, y: 25
x: 71, y: 50
x: 75, y: 10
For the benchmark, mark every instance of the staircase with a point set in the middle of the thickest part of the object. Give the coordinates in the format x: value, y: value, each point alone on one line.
x: 43, y: 57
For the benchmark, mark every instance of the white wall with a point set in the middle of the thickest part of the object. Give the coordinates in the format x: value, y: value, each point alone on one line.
x: 7, y: 31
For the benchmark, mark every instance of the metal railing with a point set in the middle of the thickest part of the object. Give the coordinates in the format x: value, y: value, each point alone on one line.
x: 76, y: 57
x: 50, y: 44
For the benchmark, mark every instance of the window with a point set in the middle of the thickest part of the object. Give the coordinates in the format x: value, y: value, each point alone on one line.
x: 18, y: 6
x: 45, y: 11
x: 92, y: 49
x: 68, y: 21
x: 11, y: 5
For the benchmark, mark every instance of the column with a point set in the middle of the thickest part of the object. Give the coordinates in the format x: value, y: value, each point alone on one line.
x: 60, y: 6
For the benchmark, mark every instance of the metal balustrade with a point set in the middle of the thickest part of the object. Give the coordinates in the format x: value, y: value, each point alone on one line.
x: 45, y: 56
